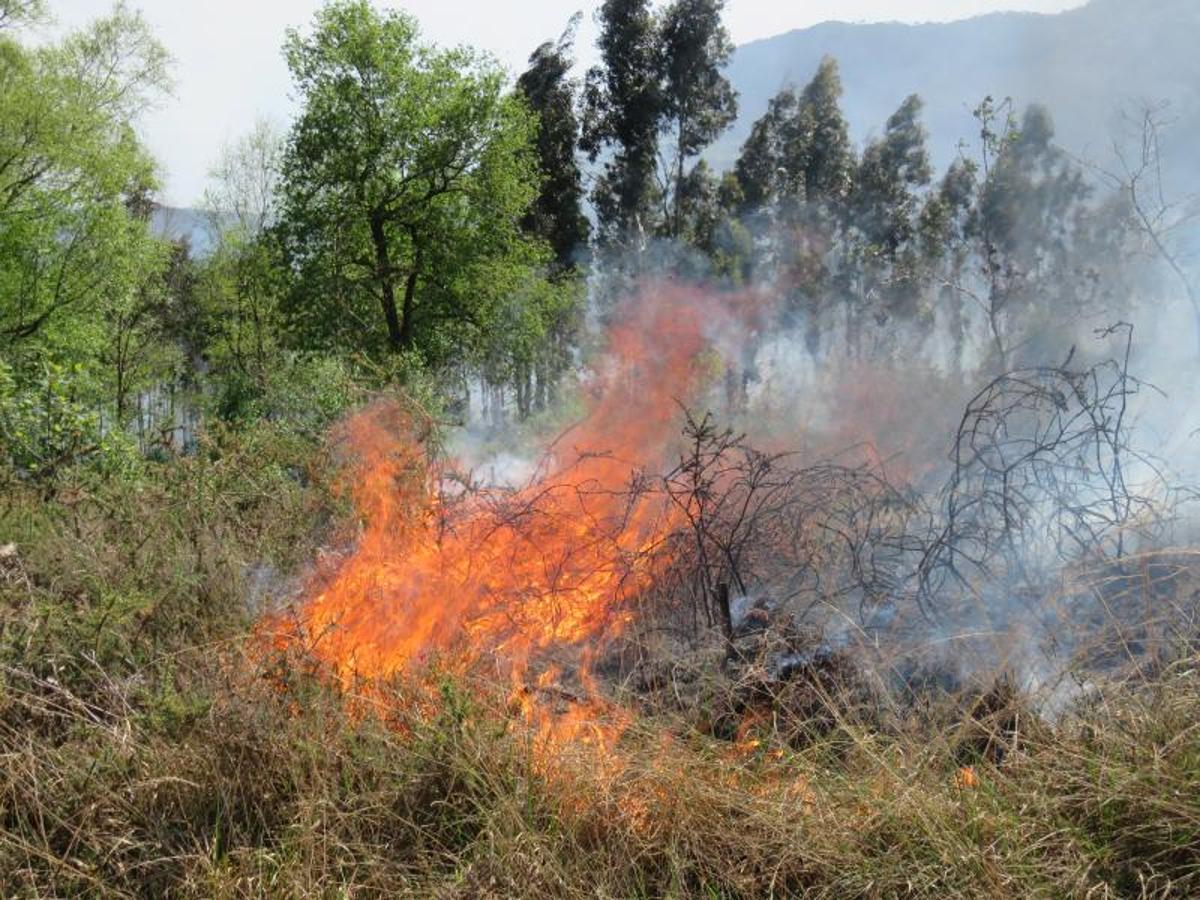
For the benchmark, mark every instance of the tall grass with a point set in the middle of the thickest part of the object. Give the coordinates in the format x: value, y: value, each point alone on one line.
x: 147, y: 747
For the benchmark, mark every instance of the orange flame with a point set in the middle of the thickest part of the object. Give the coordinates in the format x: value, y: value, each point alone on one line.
x: 505, y: 578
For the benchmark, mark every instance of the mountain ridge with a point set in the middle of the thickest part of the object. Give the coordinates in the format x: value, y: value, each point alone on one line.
x: 1085, y: 64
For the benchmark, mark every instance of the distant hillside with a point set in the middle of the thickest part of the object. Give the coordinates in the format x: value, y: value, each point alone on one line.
x: 1084, y: 64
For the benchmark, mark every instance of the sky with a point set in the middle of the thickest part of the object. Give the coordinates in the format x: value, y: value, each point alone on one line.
x: 229, y: 71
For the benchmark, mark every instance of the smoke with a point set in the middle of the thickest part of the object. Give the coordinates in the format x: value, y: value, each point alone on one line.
x: 1062, y: 580
x: 904, y: 478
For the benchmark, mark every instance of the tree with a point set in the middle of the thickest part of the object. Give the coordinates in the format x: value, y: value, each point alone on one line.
x: 884, y: 199
x: 623, y: 110
x: 1018, y: 239
x: 557, y: 215
x: 698, y: 101
x: 241, y: 282
x: 945, y: 246
x: 70, y: 162
x: 404, y: 180
x: 80, y: 320
x: 798, y: 154
x: 78, y: 327
x: 795, y: 173
x: 136, y: 348
x: 884, y: 212
x: 820, y: 155
x: 1030, y: 204
x: 20, y: 12
x: 1161, y: 219
x: 760, y: 166
x: 244, y: 184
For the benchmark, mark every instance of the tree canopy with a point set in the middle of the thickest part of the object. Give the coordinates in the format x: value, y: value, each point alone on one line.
x: 404, y: 181
x: 72, y: 173
x: 557, y: 214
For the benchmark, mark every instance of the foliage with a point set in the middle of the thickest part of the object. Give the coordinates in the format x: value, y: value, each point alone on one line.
x: 404, y: 180
x: 82, y: 304
x: 239, y: 290
x: 42, y: 424
x: 892, y: 170
x: 305, y: 392
x: 532, y: 335
x: 557, y: 215
x: 20, y: 12
x: 660, y: 76
x: 623, y: 112
x: 1037, y: 242
x: 698, y: 101
x: 72, y: 174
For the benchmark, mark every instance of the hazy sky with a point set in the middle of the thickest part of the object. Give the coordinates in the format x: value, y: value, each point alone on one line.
x: 229, y: 69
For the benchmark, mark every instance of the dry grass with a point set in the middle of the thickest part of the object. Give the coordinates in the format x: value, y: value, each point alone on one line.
x: 244, y: 790
x: 143, y: 753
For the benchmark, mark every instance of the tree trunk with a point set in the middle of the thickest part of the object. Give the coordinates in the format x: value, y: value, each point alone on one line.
x: 678, y: 229
x: 726, y: 613
x: 541, y: 368
x: 410, y: 293
x: 387, y: 286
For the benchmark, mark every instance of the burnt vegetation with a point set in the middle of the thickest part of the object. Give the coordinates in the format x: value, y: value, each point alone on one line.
x: 503, y: 502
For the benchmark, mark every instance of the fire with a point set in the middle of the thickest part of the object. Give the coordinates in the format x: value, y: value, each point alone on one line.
x: 506, y: 581
x: 966, y: 778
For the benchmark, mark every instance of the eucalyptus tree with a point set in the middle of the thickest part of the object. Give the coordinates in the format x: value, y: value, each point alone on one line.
x: 795, y: 175
x: 885, y: 199
x: 557, y: 214
x: 699, y: 103
x: 821, y: 157
x: 623, y: 111
x: 1030, y: 217
x: 799, y: 153
x: 884, y: 212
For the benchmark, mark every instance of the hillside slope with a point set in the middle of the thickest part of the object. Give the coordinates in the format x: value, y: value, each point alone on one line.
x: 1086, y: 64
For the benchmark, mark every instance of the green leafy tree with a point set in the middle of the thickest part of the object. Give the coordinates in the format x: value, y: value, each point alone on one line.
x: 136, y: 346
x: 79, y: 319
x: 795, y: 174
x: 20, y: 12
x: 798, y: 155
x: 242, y: 281
x: 884, y: 214
x: 1031, y: 204
x: 886, y: 199
x: 820, y: 155
x: 709, y: 224
x: 760, y: 166
x: 70, y: 165
x: 531, y: 333
x: 403, y: 184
